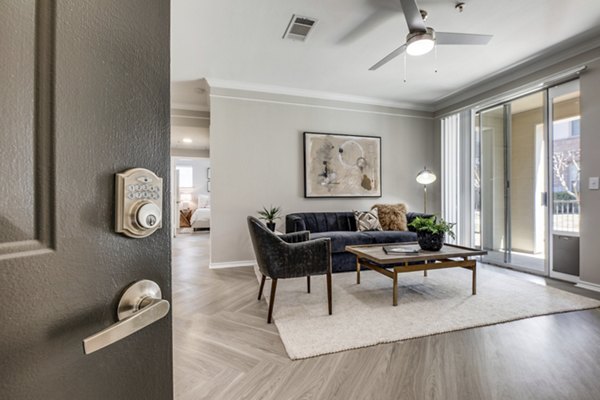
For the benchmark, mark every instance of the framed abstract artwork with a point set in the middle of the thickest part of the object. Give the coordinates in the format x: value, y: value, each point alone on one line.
x: 341, y: 165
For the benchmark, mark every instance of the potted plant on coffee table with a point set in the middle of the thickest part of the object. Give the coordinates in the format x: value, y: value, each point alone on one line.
x: 431, y: 232
x: 269, y: 215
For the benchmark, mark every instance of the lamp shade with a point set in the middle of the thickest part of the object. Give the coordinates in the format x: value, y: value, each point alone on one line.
x: 425, y: 177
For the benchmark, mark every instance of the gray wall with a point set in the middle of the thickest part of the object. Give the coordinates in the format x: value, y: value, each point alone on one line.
x: 590, y: 166
x: 257, y: 159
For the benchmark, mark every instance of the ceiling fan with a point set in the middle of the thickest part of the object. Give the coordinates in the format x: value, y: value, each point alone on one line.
x: 421, y: 39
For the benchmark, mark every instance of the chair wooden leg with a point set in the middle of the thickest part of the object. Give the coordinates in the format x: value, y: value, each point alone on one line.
x: 272, y: 299
x: 329, y: 293
x: 308, y: 284
x: 262, y: 285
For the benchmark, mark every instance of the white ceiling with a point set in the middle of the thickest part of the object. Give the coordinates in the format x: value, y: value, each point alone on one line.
x: 238, y: 42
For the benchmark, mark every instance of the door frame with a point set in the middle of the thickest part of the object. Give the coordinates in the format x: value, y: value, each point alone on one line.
x: 174, y: 199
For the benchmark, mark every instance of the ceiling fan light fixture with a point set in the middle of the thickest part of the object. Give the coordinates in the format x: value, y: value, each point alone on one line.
x: 420, y: 43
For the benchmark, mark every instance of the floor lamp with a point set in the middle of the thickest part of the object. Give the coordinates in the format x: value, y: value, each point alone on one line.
x: 425, y: 177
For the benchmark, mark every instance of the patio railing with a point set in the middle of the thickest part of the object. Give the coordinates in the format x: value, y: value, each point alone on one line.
x: 566, y: 215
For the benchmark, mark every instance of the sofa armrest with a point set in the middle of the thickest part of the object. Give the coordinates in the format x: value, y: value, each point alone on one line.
x: 294, y: 223
x: 295, y: 237
x: 412, y: 215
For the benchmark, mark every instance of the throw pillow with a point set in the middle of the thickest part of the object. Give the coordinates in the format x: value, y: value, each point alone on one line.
x: 367, y: 220
x: 203, y: 201
x: 392, y: 216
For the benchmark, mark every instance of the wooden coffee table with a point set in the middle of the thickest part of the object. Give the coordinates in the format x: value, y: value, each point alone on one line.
x: 373, y: 257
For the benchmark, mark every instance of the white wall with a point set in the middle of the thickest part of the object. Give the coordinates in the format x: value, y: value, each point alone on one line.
x: 257, y: 159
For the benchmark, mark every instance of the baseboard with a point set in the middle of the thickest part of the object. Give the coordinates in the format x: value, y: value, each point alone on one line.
x: 589, y: 286
x: 232, y: 264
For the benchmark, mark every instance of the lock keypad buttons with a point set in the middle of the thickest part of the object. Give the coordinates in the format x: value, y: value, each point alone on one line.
x: 138, y: 202
x: 147, y: 191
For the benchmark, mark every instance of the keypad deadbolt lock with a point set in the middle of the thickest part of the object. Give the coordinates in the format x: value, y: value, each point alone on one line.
x: 139, y: 195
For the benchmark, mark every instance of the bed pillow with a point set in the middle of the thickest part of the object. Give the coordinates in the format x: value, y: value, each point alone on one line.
x: 392, y: 216
x: 203, y: 201
x: 367, y: 220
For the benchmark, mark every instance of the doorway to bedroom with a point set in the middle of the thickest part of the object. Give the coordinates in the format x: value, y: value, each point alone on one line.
x: 190, y: 170
x: 192, y: 194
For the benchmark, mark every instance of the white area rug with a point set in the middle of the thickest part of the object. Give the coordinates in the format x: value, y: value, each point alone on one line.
x: 363, y: 314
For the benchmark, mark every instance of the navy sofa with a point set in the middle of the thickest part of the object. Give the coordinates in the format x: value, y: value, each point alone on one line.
x: 341, y: 228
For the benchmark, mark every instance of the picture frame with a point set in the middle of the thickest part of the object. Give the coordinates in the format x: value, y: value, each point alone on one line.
x: 341, y: 165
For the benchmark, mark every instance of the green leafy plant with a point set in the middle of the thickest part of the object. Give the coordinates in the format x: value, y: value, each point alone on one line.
x: 269, y: 214
x: 433, y: 225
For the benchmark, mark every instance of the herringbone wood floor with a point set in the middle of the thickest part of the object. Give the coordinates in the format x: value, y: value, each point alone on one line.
x: 224, y: 349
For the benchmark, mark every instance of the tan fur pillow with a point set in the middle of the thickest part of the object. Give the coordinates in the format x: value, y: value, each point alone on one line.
x: 392, y: 216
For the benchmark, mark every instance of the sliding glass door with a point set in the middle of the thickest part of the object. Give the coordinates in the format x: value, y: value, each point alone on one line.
x: 526, y: 182
x: 510, y: 183
x: 493, y: 177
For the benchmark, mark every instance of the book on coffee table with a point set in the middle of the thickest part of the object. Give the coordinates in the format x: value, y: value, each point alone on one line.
x: 398, y: 249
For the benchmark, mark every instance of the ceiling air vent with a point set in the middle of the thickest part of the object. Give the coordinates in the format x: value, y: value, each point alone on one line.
x: 299, y: 28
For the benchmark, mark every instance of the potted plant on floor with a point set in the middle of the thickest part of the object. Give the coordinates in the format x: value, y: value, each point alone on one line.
x: 269, y: 215
x: 431, y: 232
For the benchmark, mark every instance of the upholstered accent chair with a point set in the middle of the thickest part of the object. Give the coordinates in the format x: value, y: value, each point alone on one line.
x: 291, y: 255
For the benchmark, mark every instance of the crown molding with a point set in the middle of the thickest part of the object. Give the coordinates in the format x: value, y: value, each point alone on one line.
x: 189, y: 107
x: 185, y: 113
x: 314, y: 94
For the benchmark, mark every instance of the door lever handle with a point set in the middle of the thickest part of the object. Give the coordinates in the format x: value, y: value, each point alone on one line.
x: 140, y: 305
x: 544, y: 199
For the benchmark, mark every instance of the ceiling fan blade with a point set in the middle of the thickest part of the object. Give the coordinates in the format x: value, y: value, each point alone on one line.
x: 413, y: 16
x: 389, y: 57
x: 461, y: 38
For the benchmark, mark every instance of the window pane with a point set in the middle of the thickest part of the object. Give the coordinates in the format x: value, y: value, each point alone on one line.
x: 576, y: 127
x: 566, y: 163
x: 186, y: 176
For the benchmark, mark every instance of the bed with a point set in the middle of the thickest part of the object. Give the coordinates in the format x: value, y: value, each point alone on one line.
x: 201, y: 218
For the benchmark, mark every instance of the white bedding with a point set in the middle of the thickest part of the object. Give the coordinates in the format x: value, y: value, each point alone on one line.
x: 201, y: 218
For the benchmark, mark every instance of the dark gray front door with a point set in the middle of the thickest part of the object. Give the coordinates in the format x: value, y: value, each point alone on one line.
x: 84, y: 94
